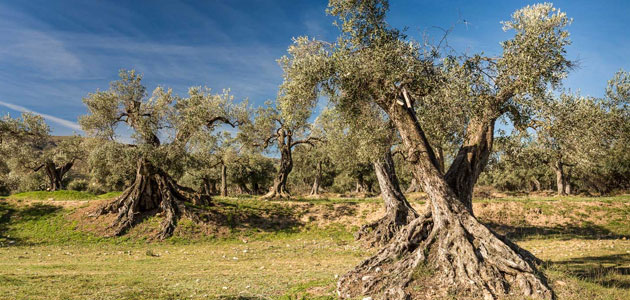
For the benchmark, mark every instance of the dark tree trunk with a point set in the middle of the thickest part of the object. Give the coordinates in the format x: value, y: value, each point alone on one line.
x: 398, y: 211
x: 465, y: 255
x: 242, y: 188
x: 471, y: 158
x: 209, y: 186
x: 558, y: 168
x: 535, y: 184
x: 414, y: 187
x: 361, y: 186
x: 255, y: 187
x: 318, y: 179
x: 153, y: 191
x: 279, y: 187
x: 55, y: 174
x: 224, y: 191
x: 567, y: 182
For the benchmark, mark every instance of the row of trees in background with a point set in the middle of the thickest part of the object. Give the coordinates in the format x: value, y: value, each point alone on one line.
x: 572, y: 145
x: 399, y: 113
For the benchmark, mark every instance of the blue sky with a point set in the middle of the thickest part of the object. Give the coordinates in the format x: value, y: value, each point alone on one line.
x: 55, y: 52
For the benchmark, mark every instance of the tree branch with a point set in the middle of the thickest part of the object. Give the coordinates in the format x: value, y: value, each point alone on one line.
x: 308, y: 141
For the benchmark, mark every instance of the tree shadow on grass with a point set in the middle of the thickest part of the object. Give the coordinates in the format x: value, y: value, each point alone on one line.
x: 271, y: 217
x: 12, y: 215
x: 587, y: 231
x: 611, y: 271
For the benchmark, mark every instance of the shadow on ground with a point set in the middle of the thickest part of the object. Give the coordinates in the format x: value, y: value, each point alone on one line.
x: 586, y: 231
x: 11, y: 215
x: 611, y: 271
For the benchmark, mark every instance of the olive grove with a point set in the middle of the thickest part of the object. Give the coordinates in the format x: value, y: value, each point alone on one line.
x: 184, y: 122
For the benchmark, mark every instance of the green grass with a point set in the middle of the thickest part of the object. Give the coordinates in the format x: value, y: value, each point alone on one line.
x: 63, y: 195
x: 43, y: 256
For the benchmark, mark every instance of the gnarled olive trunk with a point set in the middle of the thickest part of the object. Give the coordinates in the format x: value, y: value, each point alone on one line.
x: 279, y: 187
x: 209, y: 186
x: 153, y: 191
x: 471, y: 158
x: 55, y: 174
x: 398, y: 211
x: 464, y: 255
x: 317, y: 181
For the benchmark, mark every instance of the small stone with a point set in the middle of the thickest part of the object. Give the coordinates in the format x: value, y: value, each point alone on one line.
x: 197, y: 281
x: 225, y: 287
x: 235, y: 258
x: 364, y: 278
x: 378, y: 269
x: 367, y: 298
x: 561, y: 283
x: 336, y: 276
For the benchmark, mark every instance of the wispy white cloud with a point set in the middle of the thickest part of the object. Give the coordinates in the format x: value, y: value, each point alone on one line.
x: 56, y: 120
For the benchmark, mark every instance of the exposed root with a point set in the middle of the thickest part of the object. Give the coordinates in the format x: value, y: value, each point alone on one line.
x: 464, y: 257
x: 381, y: 231
x: 275, y: 194
x: 152, y: 192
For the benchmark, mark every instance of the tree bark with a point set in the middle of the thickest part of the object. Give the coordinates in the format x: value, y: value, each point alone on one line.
x: 398, y: 211
x: 279, y: 187
x: 536, y: 184
x: 55, y: 174
x: 465, y: 255
x: 567, y: 182
x: 317, y: 181
x: 361, y: 186
x: 209, y: 186
x: 558, y: 168
x: 414, y: 187
x: 439, y: 155
x: 224, y: 191
x: 471, y: 158
x: 153, y: 191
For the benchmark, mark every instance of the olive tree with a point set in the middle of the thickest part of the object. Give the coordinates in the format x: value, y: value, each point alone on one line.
x: 164, y: 127
x: 33, y: 149
x: 365, y: 146
x: 374, y: 64
x: 271, y: 127
x: 571, y: 132
x: 14, y: 132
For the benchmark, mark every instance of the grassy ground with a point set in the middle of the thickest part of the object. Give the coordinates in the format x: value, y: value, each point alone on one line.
x: 584, y: 241
x: 61, y: 195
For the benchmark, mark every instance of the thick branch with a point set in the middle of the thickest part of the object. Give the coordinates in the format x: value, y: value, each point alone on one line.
x: 308, y: 141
